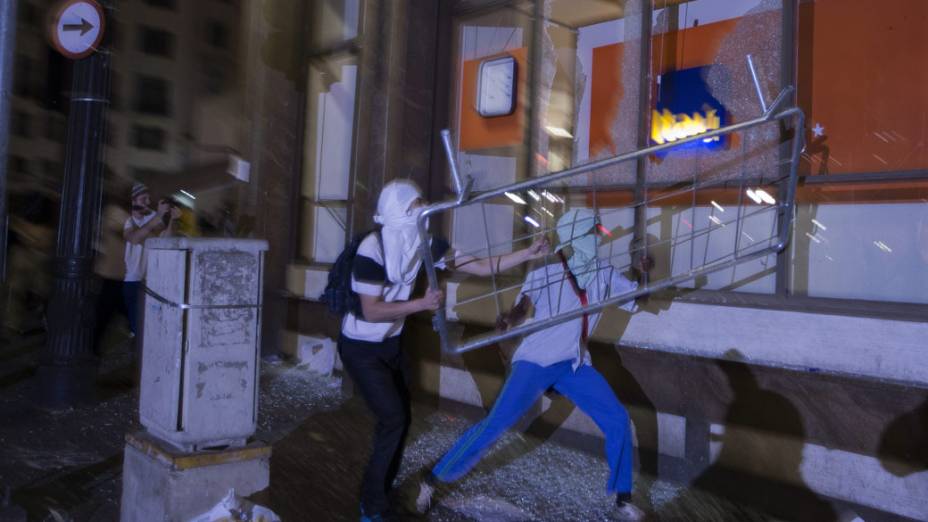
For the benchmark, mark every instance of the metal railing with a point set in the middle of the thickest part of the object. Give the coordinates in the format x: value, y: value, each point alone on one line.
x: 785, y: 207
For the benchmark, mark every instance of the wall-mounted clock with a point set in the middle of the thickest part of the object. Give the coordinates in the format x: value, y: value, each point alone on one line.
x: 497, y: 83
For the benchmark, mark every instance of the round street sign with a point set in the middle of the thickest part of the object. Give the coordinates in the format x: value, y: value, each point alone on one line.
x: 76, y: 27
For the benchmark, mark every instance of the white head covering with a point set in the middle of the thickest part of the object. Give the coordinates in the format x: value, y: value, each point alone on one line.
x: 573, y: 225
x: 400, y: 236
x: 574, y: 229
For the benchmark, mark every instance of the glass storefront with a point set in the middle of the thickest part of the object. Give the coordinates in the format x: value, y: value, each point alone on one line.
x: 592, y: 80
x: 862, y: 221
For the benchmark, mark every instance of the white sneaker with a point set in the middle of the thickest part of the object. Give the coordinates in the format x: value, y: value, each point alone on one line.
x: 424, y: 500
x: 628, y: 511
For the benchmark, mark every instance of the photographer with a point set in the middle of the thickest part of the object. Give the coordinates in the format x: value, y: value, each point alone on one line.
x: 142, y: 224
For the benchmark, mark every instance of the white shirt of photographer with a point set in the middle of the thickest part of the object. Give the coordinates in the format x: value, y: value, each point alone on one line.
x: 135, y: 254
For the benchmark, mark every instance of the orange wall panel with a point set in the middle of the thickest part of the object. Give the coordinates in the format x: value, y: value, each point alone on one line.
x: 478, y: 132
x: 693, y: 47
x: 606, y: 91
x: 863, y: 77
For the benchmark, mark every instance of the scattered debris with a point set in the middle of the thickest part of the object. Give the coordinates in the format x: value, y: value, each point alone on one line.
x: 233, y: 508
x: 488, y: 509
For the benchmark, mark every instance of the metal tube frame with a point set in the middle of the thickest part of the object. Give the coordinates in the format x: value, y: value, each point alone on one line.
x: 786, y: 205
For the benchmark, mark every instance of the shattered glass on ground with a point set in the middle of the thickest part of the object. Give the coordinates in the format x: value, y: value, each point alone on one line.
x: 68, y: 465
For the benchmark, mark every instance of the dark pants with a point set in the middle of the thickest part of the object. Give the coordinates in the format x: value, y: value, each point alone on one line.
x: 380, y: 372
x: 109, y: 302
x: 130, y: 293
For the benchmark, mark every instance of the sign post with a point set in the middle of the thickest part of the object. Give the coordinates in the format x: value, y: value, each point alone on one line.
x: 67, y: 366
x: 76, y: 28
x: 7, y: 51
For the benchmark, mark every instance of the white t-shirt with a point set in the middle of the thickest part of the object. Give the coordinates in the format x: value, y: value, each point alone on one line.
x: 135, y: 254
x: 552, y: 294
x: 369, y: 277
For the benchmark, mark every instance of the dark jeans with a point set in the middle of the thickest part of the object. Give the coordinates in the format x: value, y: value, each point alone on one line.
x: 110, y: 302
x: 130, y: 293
x: 380, y: 372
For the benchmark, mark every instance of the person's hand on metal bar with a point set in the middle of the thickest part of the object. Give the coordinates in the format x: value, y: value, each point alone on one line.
x: 376, y: 310
x: 515, y: 316
x: 433, y: 299
x: 644, y: 264
x: 539, y: 248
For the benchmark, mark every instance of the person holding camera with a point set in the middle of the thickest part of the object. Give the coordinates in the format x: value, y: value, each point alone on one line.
x: 143, y: 223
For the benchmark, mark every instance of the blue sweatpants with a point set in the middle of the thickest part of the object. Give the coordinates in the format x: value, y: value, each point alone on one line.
x: 527, y: 381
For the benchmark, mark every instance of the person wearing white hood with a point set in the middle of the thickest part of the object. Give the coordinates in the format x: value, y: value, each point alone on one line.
x: 556, y: 357
x: 383, y: 275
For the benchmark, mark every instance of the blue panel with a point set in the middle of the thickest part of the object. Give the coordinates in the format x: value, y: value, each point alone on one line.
x: 685, y: 105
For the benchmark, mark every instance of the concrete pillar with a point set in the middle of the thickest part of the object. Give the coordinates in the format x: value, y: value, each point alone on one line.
x: 198, y: 398
x: 162, y: 484
x: 200, y: 340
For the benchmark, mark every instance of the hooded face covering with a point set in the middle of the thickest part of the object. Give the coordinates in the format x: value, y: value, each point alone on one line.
x: 576, y: 228
x: 400, y: 236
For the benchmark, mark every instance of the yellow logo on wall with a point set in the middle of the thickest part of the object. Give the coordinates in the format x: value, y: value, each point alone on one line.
x: 669, y: 127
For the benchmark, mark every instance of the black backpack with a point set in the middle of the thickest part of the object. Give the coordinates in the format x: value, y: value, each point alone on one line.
x: 338, y: 295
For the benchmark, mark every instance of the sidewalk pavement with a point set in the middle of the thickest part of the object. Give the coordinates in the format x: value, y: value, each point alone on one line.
x: 67, y: 465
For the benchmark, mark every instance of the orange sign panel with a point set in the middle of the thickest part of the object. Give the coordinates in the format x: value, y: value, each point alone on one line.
x: 478, y: 132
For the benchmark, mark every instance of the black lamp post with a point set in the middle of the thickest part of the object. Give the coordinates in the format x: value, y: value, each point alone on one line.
x: 67, y: 365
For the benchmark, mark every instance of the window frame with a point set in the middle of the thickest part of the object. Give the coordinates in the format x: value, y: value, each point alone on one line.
x: 170, y: 5
x: 783, y: 298
x: 141, y: 133
x: 145, y: 107
x: 168, y: 44
x: 301, y: 203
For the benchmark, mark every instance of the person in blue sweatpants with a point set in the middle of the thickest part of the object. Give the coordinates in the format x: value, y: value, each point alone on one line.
x: 556, y: 357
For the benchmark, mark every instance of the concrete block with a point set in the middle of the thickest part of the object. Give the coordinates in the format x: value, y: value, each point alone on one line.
x: 161, y: 484
x: 200, y: 341
x: 671, y: 432
x: 318, y: 354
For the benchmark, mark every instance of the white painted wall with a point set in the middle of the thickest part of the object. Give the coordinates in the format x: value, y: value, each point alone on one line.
x: 876, y: 252
x: 856, y: 346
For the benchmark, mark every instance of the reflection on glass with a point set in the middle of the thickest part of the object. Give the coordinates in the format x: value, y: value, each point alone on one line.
x: 871, y: 251
x: 859, y: 122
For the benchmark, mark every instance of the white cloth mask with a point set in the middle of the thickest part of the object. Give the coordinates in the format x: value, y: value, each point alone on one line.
x: 400, y: 234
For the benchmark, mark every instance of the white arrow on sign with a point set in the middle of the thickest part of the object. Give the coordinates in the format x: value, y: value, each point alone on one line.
x: 78, y: 28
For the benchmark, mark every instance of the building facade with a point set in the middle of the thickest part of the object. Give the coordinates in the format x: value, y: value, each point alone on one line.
x: 798, y: 380
x: 801, y: 370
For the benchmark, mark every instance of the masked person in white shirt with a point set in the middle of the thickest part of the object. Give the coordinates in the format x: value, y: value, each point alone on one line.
x: 556, y: 357
x: 383, y: 275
